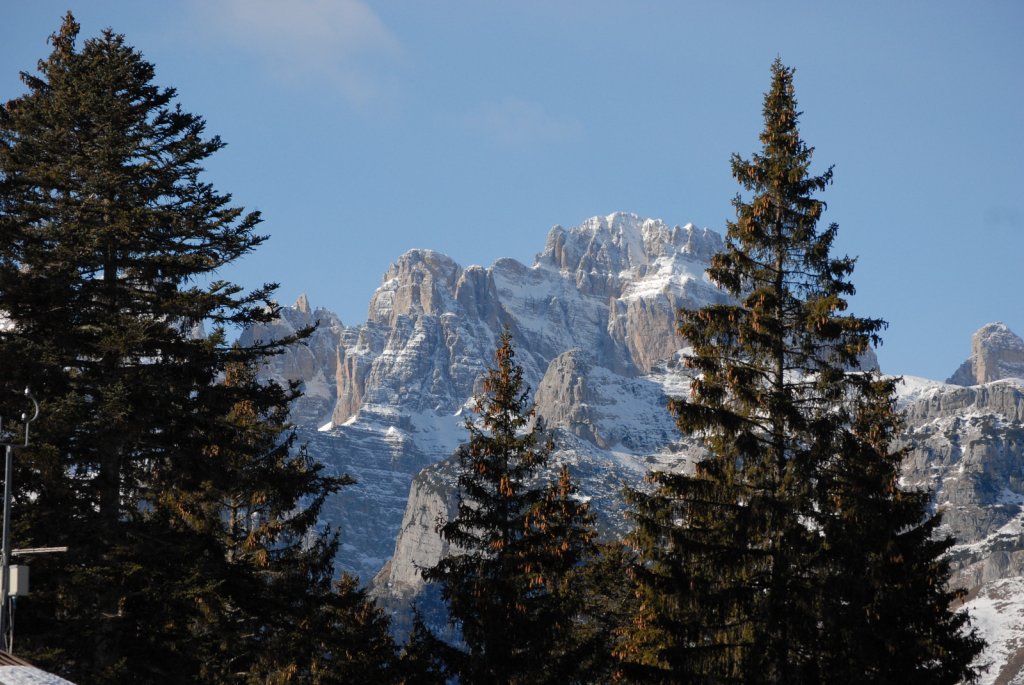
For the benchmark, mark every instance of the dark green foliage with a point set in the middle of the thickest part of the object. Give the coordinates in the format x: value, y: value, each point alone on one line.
x: 889, y: 609
x: 168, y: 470
x: 516, y: 544
x: 562, y: 528
x: 426, y: 660
x: 607, y: 605
x: 790, y: 553
x: 343, y: 639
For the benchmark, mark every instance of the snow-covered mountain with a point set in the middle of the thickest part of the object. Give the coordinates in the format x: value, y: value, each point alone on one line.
x: 593, y: 321
x: 966, y: 444
x: 594, y: 316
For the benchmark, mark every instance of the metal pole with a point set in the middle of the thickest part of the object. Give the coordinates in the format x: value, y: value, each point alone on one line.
x: 5, y: 571
x: 5, y: 543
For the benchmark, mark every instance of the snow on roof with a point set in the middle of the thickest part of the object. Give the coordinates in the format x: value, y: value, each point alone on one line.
x: 15, y: 671
x: 29, y: 675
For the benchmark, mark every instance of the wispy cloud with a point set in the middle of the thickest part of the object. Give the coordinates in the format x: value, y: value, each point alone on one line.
x: 512, y: 121
x: 340, y: 43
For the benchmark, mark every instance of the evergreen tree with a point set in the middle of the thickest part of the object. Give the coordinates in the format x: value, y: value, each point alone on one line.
x: 344, y: 640
x: 791, y: 554
x: 282, y: 617
x: 426, y: 659
x: 515, y: 543
x: 887, y: 598
x: 563, y: 528
x: 608, y: 604
x: 168, y: 470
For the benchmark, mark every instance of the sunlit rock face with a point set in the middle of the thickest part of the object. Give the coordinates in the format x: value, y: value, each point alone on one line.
x: 966, y: 445
x: 996, y: 353
x: 313, y: 363
x: 593, y: 321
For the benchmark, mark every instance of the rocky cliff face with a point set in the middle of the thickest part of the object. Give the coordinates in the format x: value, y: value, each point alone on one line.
x: 609, y: 428
x: 996, y: 353
x: 389, y: 396
x: 313, y: 362
x: 966, y: 445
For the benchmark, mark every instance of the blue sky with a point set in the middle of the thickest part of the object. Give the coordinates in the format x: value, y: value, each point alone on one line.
x: 362, y: 129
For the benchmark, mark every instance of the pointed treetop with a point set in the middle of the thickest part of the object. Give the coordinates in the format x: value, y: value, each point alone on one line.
x: 63, y: 41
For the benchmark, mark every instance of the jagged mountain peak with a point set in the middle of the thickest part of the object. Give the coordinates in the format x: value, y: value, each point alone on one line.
x: 419, y: 282
x: 418, y: 256
x: 419, y: 263
x: 996, y: 353
x: 395, y: 385
x: 623, y: 242
x: 998, y: 335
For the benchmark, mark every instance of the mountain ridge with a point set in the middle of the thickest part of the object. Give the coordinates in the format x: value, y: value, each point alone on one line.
x: 593, y: 320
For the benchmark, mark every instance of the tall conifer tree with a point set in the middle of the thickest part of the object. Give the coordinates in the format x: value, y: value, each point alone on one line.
x: 608, y: 605
x: 166, y: 468
x: 789, y: 554
x: 515, y: 543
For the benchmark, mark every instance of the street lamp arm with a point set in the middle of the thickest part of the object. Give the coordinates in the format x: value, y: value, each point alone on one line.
x: 35, y: 413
